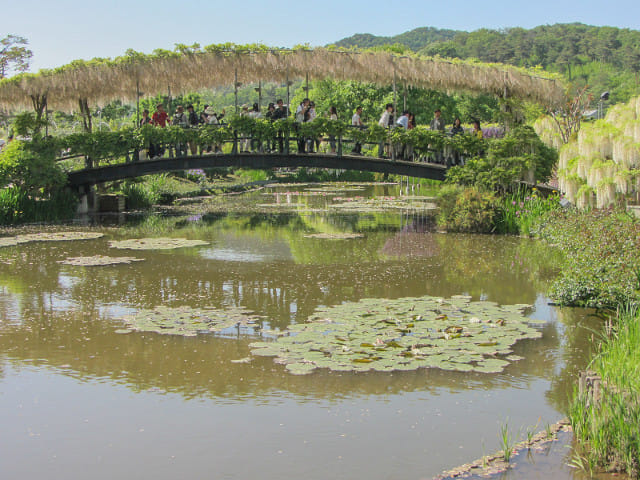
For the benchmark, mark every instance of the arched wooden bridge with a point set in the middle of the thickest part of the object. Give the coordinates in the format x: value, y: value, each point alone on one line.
x: 92, y: 176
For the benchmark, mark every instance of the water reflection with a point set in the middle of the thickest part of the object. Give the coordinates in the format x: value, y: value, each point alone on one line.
x: 58, y: 322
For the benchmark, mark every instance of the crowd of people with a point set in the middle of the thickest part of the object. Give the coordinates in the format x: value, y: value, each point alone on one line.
x: 305, y: 112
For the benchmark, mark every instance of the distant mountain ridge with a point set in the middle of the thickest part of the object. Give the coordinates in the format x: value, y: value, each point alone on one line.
x: 603, y: 58
x: 414, y: 39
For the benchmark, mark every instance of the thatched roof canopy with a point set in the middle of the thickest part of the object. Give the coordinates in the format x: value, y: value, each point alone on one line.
x: 103, y: 80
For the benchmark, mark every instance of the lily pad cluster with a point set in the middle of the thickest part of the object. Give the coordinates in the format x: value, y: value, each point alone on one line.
x: 48, y: 237
x: 98, y: 261
x: 334, y: 236
x: 362, y: 204
x: 160, y: 243
x: 404, y: 334
x: 186, y: 321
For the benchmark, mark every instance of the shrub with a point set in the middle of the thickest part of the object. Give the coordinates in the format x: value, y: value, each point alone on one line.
x: 31, y: 166
x: 602, y: 257
x: 519, y: 156
x: 467, y: 210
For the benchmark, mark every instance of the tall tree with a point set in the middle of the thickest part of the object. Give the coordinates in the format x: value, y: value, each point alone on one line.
x: 14, y: 55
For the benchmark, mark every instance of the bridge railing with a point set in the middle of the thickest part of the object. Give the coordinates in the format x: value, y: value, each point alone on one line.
x: 285, y: 136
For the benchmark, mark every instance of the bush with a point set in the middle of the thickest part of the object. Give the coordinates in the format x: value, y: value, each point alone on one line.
x: 467, y: 210
x: 31, y: 166
x: 602, y: 257
x: 519, y: 156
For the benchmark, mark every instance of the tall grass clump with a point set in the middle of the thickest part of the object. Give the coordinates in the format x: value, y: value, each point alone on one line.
x: 17, y: 206
x: 608, y: 428
x: 522, y: 211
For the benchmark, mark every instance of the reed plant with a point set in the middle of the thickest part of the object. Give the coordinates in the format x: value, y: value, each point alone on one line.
x: 17, y: 206
x: 523, y: 210
x: 608, y: 428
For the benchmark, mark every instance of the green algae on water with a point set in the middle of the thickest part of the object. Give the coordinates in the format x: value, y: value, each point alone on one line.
x: 403, y: 334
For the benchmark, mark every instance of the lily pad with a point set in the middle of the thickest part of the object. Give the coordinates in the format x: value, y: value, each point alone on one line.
x: 98, y: 261
x: 187, y: 321
x: 334, y: 236
x: 48, y: 237
x: 402, y: 334
x: 160, y: 243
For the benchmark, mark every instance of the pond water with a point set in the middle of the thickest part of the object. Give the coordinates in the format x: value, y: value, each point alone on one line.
x: 78, y: 400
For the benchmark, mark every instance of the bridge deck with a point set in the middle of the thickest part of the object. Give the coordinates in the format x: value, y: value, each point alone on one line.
x: 92, y: 176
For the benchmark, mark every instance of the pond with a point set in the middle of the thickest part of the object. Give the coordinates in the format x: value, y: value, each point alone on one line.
x: 83, y: 395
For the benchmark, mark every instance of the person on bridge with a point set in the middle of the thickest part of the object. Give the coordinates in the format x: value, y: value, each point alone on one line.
x: 160, y: 117
x: 437, y: 124
x: 477, y: 131
x: 192, y: 122
x: 403, y: 122
x: 280, y: 113
x: 386, y: 121
x: 180, y: 119
x: 333, y: 115
x: 256, y: 143
x: 302, y: 114
x: 356, y: 121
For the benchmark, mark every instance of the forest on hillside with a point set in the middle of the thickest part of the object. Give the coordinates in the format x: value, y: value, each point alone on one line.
x: 602, y: 58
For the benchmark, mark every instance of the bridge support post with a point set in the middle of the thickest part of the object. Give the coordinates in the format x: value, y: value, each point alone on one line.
x: 88, y: 200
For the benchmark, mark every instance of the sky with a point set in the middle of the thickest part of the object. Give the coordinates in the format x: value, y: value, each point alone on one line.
x: 64, y: 30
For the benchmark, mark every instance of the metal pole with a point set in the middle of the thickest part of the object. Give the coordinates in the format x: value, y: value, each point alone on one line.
x: 137, y: 103
x: 395, y: 112
x: 235, y: 87
x: 259, y: 94
x: 169, y: 99
x: 288, y: 94
x: 404, y: 95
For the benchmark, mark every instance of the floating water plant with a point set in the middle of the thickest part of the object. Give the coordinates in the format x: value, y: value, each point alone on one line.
x: 334, y: 236
x: 376, y: 204
x: 98, y: 261
x: 186, y: 321
x: 48, y: 237
x: 155, y: 243
x: 403, y: 334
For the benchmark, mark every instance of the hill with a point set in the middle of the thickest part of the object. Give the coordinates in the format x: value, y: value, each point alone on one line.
x: 604, y: 58
x: 414, y: 39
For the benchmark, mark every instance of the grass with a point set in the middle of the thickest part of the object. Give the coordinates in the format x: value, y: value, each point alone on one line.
x: 17, y: 206
x: 609, y: 429
x: 506, y: 442
x: 522, y: 211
